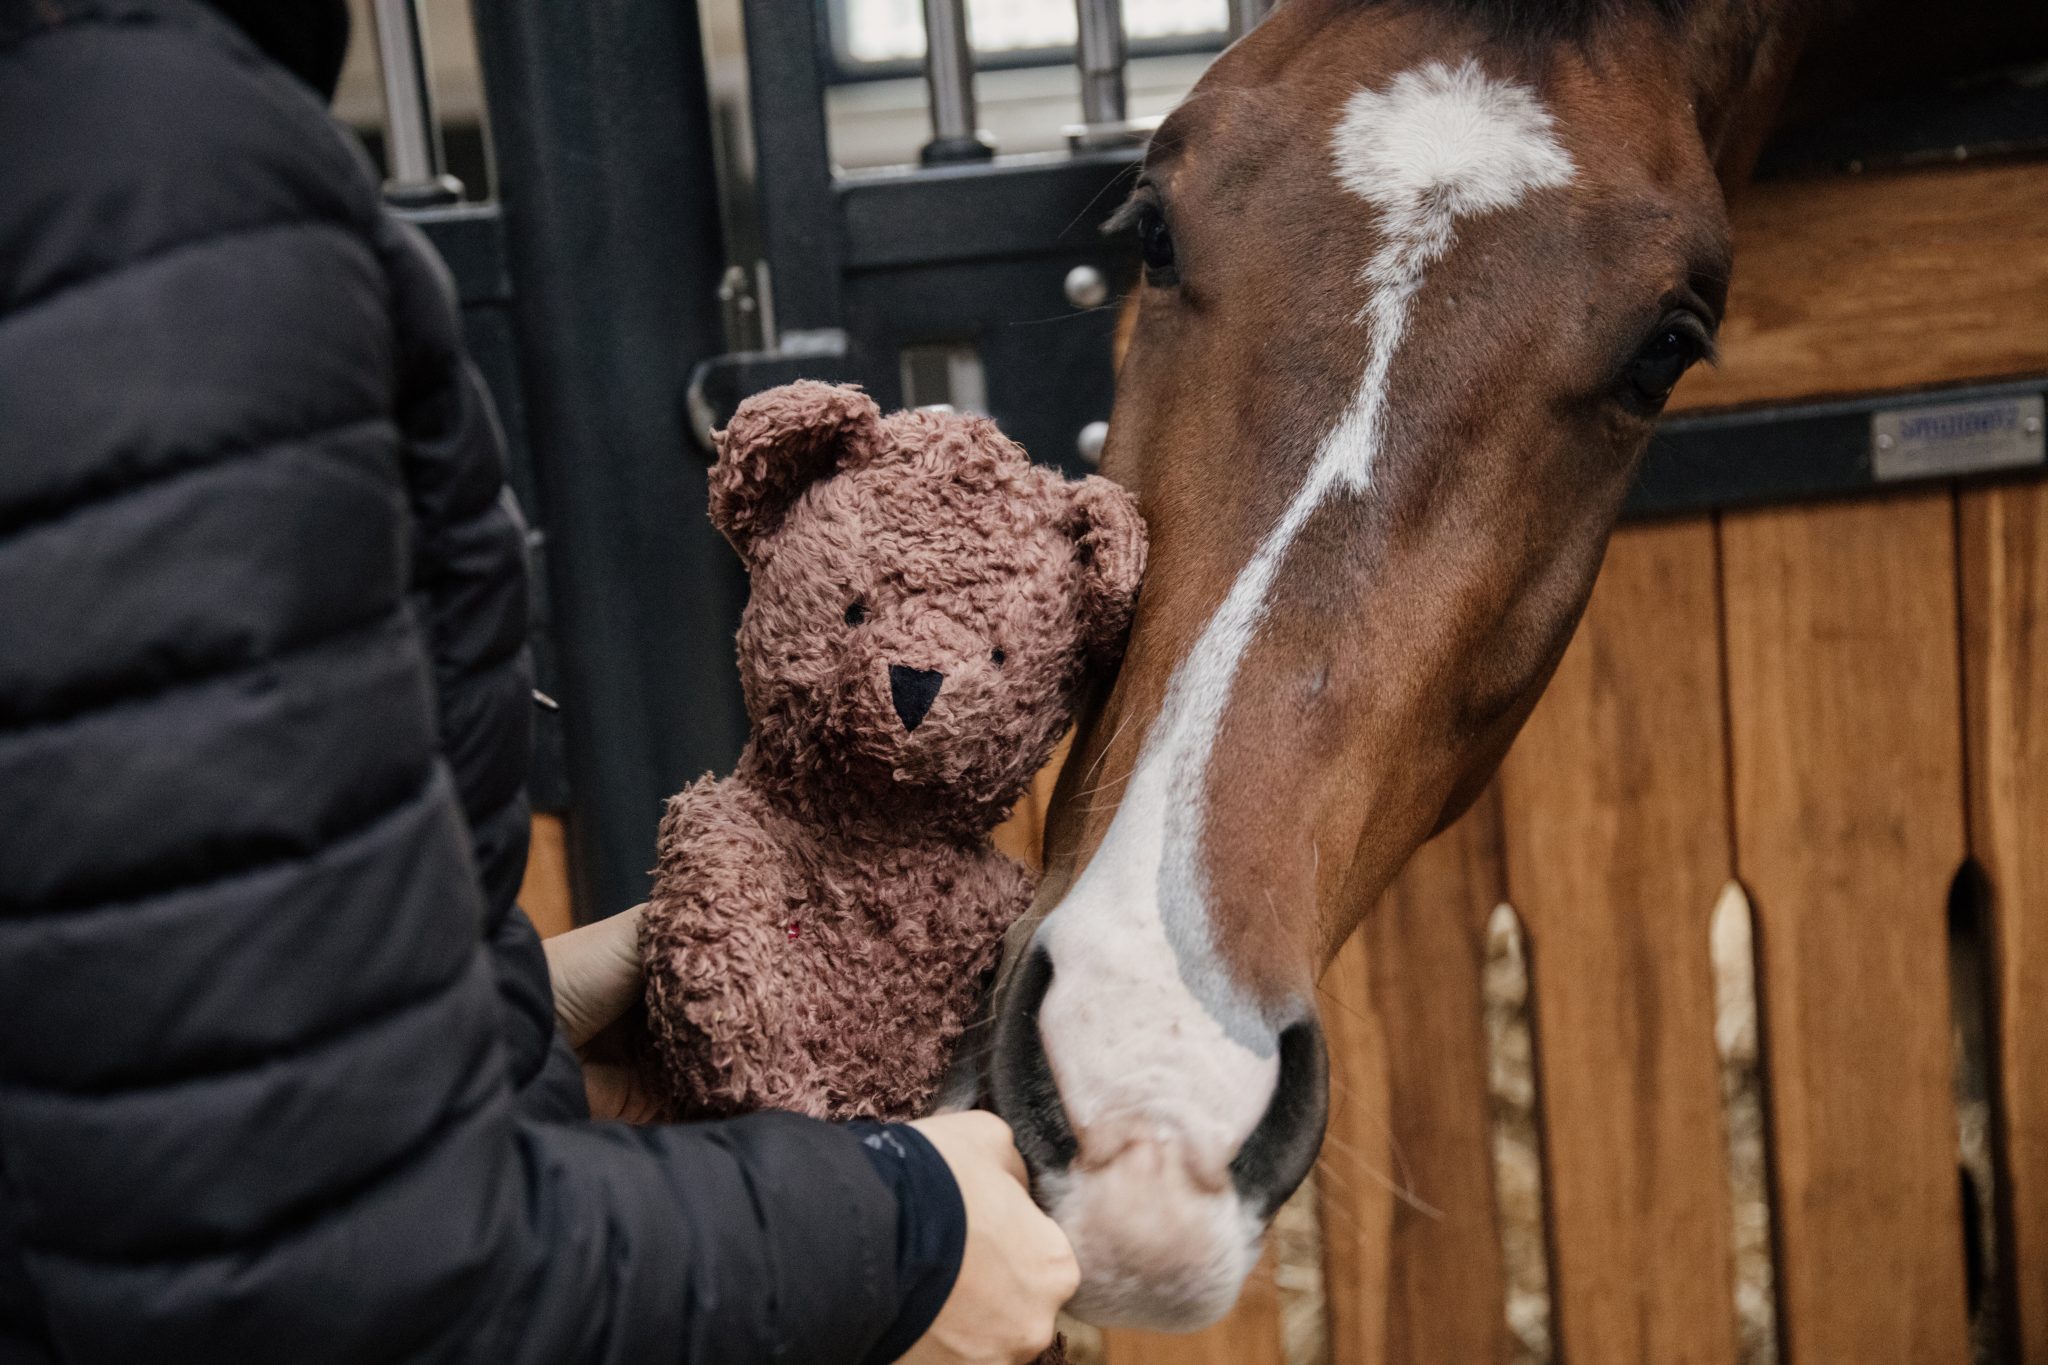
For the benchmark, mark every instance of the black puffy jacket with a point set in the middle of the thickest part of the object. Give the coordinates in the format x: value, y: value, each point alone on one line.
x: 278, y: 1073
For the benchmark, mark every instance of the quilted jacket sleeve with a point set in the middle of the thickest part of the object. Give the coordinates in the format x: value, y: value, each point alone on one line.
x: 262, y: 1059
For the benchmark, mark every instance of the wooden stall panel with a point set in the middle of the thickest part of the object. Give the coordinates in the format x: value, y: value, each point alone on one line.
x: 1848, y: 796
x: 1896, y: 281
x: 1411, y: 1243
x: 1614, y: 822
x: 2005, y: 600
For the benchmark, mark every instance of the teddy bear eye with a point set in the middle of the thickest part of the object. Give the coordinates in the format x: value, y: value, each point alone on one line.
x: 856, y: 611
x: 998, y: 658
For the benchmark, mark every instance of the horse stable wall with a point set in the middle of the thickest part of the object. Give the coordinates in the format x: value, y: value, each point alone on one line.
x: 1818, y: 728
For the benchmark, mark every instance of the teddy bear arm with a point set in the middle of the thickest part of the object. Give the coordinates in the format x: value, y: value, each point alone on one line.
x: 715, y: 943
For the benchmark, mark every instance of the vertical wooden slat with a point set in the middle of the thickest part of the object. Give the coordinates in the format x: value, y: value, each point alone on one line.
x: 1848, y: 795
x: 1351, y: 1178
x: 2005, y: 599
x: 1614, y: 821
x: 1411, y: 1243
x: 1249, y: 1336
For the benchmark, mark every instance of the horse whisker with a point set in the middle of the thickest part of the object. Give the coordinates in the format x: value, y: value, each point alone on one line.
x: 1114, y: 736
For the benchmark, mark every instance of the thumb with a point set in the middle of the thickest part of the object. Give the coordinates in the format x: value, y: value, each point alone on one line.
x: 596, y: 974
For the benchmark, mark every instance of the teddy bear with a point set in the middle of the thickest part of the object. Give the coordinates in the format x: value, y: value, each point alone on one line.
x: 926, y: 607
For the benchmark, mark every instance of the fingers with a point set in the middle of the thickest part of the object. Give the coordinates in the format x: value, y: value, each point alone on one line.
x: 616, y: 1091
x: 994, y: 1134
x: 1051, y: 1267
x: 1063, y: 1267
x: 596, y: 974
x: 1017, y: 1269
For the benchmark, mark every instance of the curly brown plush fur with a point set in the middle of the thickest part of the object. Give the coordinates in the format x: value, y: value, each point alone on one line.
x: 926, y: 604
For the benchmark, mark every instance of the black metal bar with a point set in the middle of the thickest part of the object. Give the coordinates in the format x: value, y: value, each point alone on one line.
x: 471, y: 239
x: 1049, y: 367
x: 793, y: 165
x: 1022, y: 205
x: 1100, y: 54
x: 601, y: 125
x: 1981, y: 120
x: 412, y: 130
x: 1791, y: 453
x: 949, y: 86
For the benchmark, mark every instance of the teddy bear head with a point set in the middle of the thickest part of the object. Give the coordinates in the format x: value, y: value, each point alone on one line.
x: 926, y: 602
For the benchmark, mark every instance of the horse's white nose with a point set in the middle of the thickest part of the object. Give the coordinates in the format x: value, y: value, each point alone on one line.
x: 1162, y: 1242
x: 1160, y: 1141
x: 1145, y: 1150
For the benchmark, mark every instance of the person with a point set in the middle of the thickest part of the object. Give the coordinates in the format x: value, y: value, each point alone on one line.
x: 280, y: 1071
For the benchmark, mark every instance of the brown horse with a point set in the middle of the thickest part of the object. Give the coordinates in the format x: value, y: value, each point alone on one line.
x: 1419, y: 276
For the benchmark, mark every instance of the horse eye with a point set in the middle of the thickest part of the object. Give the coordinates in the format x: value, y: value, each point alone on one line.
x: 1156, y: 242
x: 856, y: 611
x: 1654, y: 371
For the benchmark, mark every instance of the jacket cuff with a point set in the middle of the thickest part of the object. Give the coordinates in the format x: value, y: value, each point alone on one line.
x: 931, y: 1229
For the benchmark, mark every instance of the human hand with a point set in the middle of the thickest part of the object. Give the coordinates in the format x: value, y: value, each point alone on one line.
x: 1017, y: 1271
x: 597, y: 978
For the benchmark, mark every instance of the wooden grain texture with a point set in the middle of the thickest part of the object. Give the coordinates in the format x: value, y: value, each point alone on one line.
x: 1411, y: 1240
x: 1249, y: 1336
x: 1022, y: 835
x: 2004, y: 557
x: 1353, y: 1180
x: 1845, y: 727
x: 544, y: 890
x: 1614, y: 814
x: 1875, y: 282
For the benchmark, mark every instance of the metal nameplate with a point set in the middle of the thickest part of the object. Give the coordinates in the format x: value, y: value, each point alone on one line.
x: 1958, y: 438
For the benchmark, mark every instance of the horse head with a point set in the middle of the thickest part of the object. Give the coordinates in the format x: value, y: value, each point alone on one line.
x: 1418, y: 280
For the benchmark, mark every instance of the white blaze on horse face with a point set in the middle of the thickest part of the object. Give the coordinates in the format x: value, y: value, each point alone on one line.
x: 1439, y: 144
x: 1144, y: 1026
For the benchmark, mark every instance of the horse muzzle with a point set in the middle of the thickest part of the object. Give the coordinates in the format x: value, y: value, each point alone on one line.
x: 1160, y: 1146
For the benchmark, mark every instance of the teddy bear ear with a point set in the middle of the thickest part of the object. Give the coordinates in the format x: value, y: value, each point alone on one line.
x: 778, y: 444
x: 1109, y: 543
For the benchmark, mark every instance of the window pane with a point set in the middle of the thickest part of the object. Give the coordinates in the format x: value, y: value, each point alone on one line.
x: 893, y: 30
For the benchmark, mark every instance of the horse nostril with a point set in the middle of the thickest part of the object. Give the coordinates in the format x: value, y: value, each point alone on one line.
x: 1277, y: 1156
x: 913, y: 690
x: 1026, y: 1095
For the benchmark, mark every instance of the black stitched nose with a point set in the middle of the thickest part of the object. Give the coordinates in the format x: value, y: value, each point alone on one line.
x: 913, y: 690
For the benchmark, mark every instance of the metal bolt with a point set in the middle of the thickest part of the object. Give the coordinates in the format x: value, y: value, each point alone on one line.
x: 2032, y: 426
x: 1091, y: 441
x: 1085, y: 287
x: 1884, y: 441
